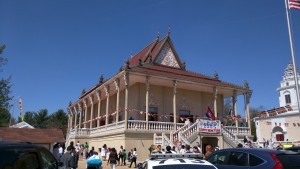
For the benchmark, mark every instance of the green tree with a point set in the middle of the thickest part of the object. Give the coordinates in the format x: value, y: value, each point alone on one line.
x: 29, y: 118
x: 59, y: 120
x: 254, y: 113
x: 41, y: 118
x: 5, y: 99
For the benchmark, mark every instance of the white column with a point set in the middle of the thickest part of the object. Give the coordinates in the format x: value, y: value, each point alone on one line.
x: 71, y: 122
x: 99, y: 107
x: 234, y: 100
x: 69, y: 129
x: 80, y: 116
x: 247, y: 97
x: 215, y: 101
x: 92, y: 111
x: 75, y: 125
x: 85, y: 113
x: 147, y: 101
x: 107, y: 104
x: 117, y: 85
x: 126, y: 79
x: 174, y: 104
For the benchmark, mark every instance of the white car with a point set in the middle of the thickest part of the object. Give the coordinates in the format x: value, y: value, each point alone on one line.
x: 176, y: 161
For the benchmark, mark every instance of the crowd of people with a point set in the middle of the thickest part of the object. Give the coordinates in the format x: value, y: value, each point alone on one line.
x: 153, y: 149
x: 114, y: 157
x: 68, y: 159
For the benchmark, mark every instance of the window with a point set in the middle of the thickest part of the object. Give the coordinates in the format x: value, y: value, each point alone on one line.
x: 254, y: 161
x: 287, y: 83
x: 27, y: 161
x: 238, y: 159
x: 287, y: 99
x: 48, y: 159
x: 218, y: 158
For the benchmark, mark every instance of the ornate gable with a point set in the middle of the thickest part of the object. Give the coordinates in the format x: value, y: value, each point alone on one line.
x: 166, y: 57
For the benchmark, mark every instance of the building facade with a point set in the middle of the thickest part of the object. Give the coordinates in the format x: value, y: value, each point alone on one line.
x: 148, y: 102
x: 281, y: 125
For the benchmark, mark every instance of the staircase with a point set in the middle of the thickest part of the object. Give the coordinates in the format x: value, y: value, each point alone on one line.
x: 188, y: 134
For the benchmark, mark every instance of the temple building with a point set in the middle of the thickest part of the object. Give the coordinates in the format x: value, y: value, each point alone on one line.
x: 281, y: 125
x: 149, y: 101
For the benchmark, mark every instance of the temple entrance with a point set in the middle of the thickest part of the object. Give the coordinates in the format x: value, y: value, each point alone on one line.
x: 213, y: 141
x: 278, y: 133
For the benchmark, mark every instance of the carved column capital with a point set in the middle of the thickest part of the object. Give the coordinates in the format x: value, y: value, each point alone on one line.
x: 174, y: 86
x: 106, y: 88
x: 147, y: 83
x: 98, y: 94
x: 117, y: 84
x: 91, y: 99
x: 215, y: 90
x: 126, y: 79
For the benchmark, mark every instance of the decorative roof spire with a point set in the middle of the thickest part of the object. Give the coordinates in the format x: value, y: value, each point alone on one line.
x: 70, y: 103
x: 246, y: 84
x: 183, y: 65
x: 169, y: 30
x: 216, y: 75
x: 157, y: 35
x: 101, y: 79
x: 83, y: 92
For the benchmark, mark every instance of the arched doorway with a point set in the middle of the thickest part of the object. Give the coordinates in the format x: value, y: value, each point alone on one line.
x: 278, y: 134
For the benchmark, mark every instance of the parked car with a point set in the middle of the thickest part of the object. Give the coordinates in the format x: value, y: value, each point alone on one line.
x: 295, y: 149
x: 176, y: 161
x: 250, y: 158
x: 26, y: 156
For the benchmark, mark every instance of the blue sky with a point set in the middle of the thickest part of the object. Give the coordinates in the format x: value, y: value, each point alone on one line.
x: 57, y: 48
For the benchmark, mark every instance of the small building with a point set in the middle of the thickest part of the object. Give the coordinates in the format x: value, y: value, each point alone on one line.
x: 281, y: 125
x: 43, y: 137
x: 148, y: 102
x: 22, y: 124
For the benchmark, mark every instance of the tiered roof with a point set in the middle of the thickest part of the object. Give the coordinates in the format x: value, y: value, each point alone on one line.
x: 148, y: 61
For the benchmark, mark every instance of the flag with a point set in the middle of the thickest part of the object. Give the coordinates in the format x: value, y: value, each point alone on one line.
x: 294, y: 4
x: 210, y: 114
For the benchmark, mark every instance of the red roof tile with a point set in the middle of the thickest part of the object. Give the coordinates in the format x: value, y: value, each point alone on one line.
x: 35, y: 136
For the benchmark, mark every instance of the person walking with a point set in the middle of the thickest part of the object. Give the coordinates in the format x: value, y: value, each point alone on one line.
x: 133, y: 157
x: 86, y: 150
x: 66, y: 158
x: 112, y: 159
x: 120, y: 155
x: 124, y: 157
x: 103, y: 152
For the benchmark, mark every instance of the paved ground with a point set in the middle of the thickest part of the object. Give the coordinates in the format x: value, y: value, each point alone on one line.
x: 82, y: 165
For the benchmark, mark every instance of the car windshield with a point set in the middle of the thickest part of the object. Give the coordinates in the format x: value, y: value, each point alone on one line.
x: 183, y: 166
x: 290, y: 161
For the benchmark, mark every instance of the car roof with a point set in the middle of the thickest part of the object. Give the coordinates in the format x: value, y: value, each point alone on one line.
x: 175, y: 159
x: 255, y: 150
x: 15, y: 144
